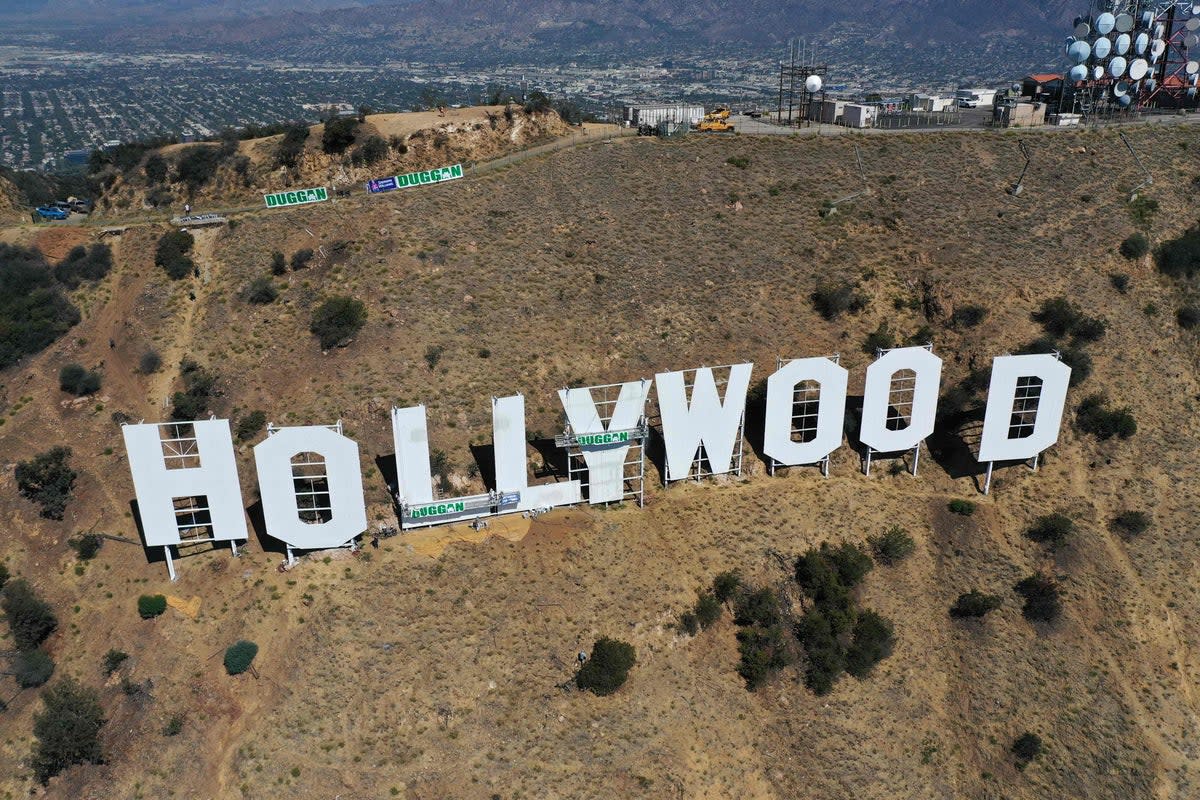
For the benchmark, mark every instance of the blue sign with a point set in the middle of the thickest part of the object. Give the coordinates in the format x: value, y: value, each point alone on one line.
x: 381, y: 185
x: 509, y: 498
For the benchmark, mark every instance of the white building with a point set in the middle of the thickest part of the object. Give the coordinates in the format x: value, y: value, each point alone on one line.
x: 652, y: 114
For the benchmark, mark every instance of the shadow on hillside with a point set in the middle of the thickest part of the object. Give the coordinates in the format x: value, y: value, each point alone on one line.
x: 258, y: 522
x: 554, y: 459
x: 953, y: 445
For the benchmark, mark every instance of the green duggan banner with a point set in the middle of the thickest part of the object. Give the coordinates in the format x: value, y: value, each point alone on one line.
x: 603, y: 438
x: 429, y: 176
x: 436, y: 509
x: 296, y: 198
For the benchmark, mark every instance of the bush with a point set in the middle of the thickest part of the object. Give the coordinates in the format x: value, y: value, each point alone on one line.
x: 433, y: 354
x: 967, y: 316
x: 338, y: 319
x: 29, y: 617
x: 4, y: 576
x: 832, y: 300
x: 113, y: 660
x: 881, y: 339
x: 607, y: 668
x: 78, y: 381
x: 151, y: 605
x: 172, y: 254
x: 174, y: 725
x: 291, y: 146
x: 688, y: 623
x: 48, y: 481
x: 68, y: 731
x: 300, y: 259
x: 278, y: 263
x: 338, y: 134
x: 726, y: 585
x: 763, y: 652
x: 1119, y: 281
x: 1041, y: 595
x: 1026, y: 748
x: 826, y: 654
x: 893, y: 546
x: 198, y: 165
x: 1132, y: 523
x: 373, y: 150
x: 1188, y: 317
x: 32, y: 668
x: 741, y: 162
x: 1088, y: 329
x: 964, y: 507
x: 708, y: 609
x: 1094, y: 417
x: 198, y: 386
x: 239, y: 656
x: 873, y: 641
x: 33, y: 310
x: 1135, y: 246
x: 84, y: 264
x: 1079, y: 362
x: 1180, y: 258
x: 150, y: 362
x: 1058, y: 316
x: 1052, y: 529
x: 250, y: 424
x: 260, y: 291
x: 974, y: 604
x: 87, y: 546
x: 156, y: 169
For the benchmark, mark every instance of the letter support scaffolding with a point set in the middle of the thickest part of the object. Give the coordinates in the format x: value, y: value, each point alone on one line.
x: 634, y: 467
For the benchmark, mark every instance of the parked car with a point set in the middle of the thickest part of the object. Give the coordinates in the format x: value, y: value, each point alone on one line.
x: 965, y: 103
x: 80, y: 206
x: 51, y: 212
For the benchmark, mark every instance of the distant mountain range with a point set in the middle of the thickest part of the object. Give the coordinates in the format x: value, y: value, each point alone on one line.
x: 571, y: 25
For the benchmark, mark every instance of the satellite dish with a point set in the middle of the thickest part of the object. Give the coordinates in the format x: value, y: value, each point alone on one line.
x: 1101, y: 48
x: 1079, y: 51
x: 1124, y: 23
x: 1157, y: 47
x: 1116, y: 67
x: 1159, y: 30
x: 1147, y: 19
x: 1078, y: 73
x: 1192, y: 24
x: 1123, y: 42
x: 1125, y: 101
x: 1120, y: 89
x: 1082, y: 29
x: 1151, y: 85
x: 1097, y: 73
x: 1192, y: 67
x: 1191, y: 40
x: 1105, y: 23
x: 1141, y: 43
x: 813, y: 84
x: 1138, y: 68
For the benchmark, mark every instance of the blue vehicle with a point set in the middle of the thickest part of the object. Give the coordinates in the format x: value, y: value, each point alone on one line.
x: 52, y: 212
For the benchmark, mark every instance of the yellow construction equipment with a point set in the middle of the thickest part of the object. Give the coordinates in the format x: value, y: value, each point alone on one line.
x: 714, y: 125
x: 717, y: 113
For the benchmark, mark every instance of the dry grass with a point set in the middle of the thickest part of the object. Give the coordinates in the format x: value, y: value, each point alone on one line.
x: 436, y: 676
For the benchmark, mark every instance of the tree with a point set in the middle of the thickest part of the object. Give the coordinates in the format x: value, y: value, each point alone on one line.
x: 261, y: 291
x: 87, y: 546
x: 1135, y: 246
x: 278, y: 263
x: 68, y: 730
x: 1180, y: 257
x: 291, y: 146
x: 150, y: 362
x: 32, y: 668
x: 1093, y: 416
x: 1026, y: 748
x: 113, y: 660
x: 1041, y: 595
x: 1133, y: 523
x: 708, y: 609
x: 47, y: 480
x: 33, y: 310
x: 874, y: 639
x: 198, y: 165
x: 974, y: 604
x: 1052, y: 529
x: 250, y: 424
x: 726, y: 585
x: 84, y: 264
x: 172, y: 254
x: 30, y: 618
x: 1188, y: 317
x: 338, y: 134
x: 374, y: 149
x: 156, y: 168
x: 151, y: 605
x: 608, y: 667
x: 198, y: 386
x: 893, y: 546
x: 78, y: 381
x: 239, y: 656
x: 338, y: 319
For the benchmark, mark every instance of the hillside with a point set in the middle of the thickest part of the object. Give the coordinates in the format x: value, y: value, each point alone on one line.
x: 430, y: 670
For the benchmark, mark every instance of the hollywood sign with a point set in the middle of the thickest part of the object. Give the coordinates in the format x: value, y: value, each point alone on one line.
x: 310, y: 477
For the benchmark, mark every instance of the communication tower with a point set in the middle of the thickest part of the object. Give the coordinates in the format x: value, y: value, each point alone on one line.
x: 803, y: 80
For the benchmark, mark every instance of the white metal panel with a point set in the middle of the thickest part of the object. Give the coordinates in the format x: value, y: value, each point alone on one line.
x: 831, y: 411
x: 706, y: 420
x: 605, y: 463
x: 508, y: 444
x: 273, y: 460
x: 877, y: 393
x: 1006, y: 371
x: 157, y: 487
x: 410, y: 436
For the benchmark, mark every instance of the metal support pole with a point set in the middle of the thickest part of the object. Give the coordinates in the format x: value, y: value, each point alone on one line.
x: 867, y: 464
x: 291, y: 559
x: 233, y: 546
x: 916, y: 458
x: 170, y: 563
x: 987, y: 484
x: 825, y: 466
x: 1035, y: 461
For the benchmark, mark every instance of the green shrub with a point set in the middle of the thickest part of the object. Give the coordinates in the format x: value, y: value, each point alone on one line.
x: 874, y: 639
x: 967, y: 316
x: 84, y: 264
x: 763, y: 652
x: 1060, y: 317
x: 33, y: 310
x: 32, y: 668
x: 1188, y: 317
x: 725, y: 586
x: 30, y: 619
x: 1133, y: 523
x: 1094, y: 417
x: 68, y: 730
x: 300, y: 259
x: 113, y: 660
x: 250, y: 424
x: 1079, y: 362
x: 607, y: 668
x: 1180, y: 257
x: 1041, y: 595
x: 291, y: 146
x: 156, y: 168
x: 880, y: 339
x: 239, y: 656
x: 87, y: 546
x: 172, y: 254
x: 831, y: 300
x: 151, y: 605
x: 338, y: 134
x: 373, y: 150
x: 1026, y: 748
x: 337, y: 319
x: 78, y: 381
x: 198, y: 165
x: 826, y: 654
x: 1052, y: 529
x: 198, y: 386
x: 708, y: 609
x: 4, y: 575
x: 1135, y: 246
x: 1119, y: 281
x: 48, y: 481
x: 174, y: 725
x: 741, y: 162
x: 893, y: 546
x: 278, y: 263
x: 150, y: 362
x: 260, y: 291
x: 964, y: 507
x: 974, y: 604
